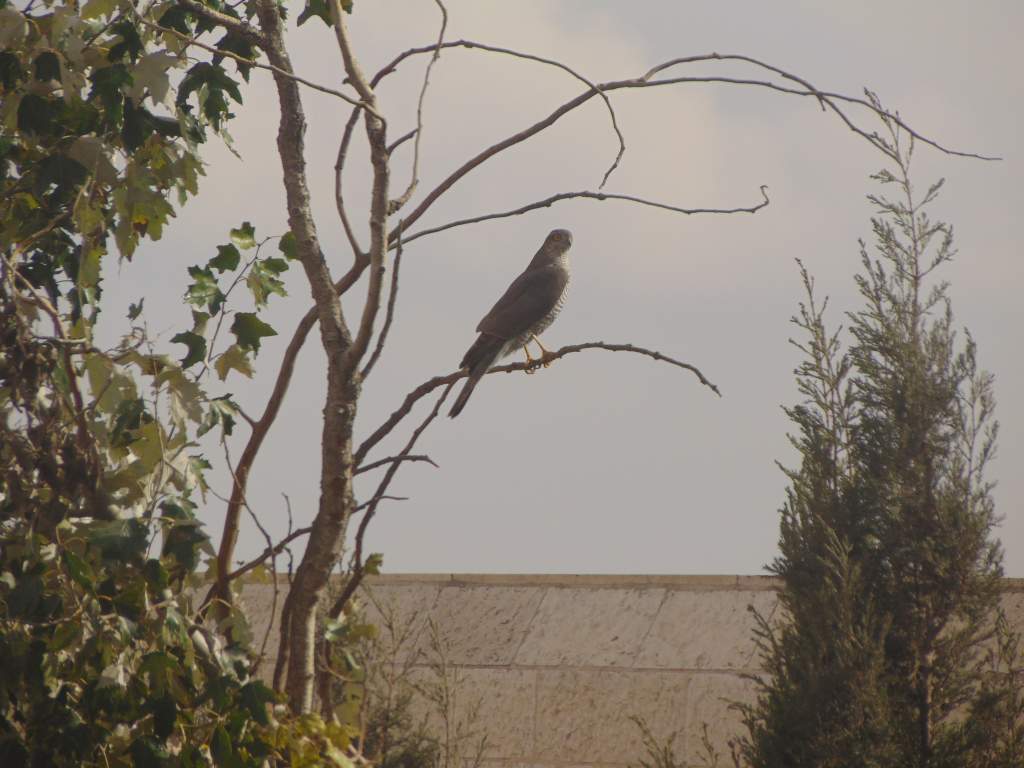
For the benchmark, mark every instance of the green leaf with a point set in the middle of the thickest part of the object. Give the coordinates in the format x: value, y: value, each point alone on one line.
x: 130, y: 42
x: 165, y: 713
x: 147, y: 753
x: 199, y: 320
x: 222, y: 411
x: 317, y: 9
x: 196, y: 347
x: 288, y: 246
x: 107, y: 83
x: 96, y: 8
x: 10, y: 69
x: 177, y: 18
x: 123, y: 540
x: 373, y: 564
x: 262, y: 280
x: 89, y: 268
x: 220, y: 746
x: 244, y: 237
x: 233, y: 359
x: 47, y: 66
x: 227, y: 258
x: 156, y: 575
x: 134, y: 310
x: 249, y: 329
x: 204, y: 291
x: 35, y: 114
x: 79, y: 570
x: 255, y: 696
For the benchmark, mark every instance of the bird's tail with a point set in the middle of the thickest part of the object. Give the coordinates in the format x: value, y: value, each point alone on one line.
x: 480, y: 357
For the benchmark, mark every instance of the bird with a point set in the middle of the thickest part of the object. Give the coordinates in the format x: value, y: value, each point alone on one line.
x: 526, y: 309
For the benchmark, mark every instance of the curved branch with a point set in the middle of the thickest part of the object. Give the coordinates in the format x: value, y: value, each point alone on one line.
x: 269, y: 552
x: 601, y: 196
x: 595, y: 89
x: 824, y: 97
x: 440, y: 381
x: 389, y: 314
x: 356, y: 576
x: 643, y: 82
x: 414, y: 180
x: 258, y: 40
x: 414, y: 457
x: 358, y: 254
x: 376, y: 134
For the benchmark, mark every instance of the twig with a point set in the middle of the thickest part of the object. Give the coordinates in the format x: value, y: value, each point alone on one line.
x: 604, y: 88
x: 400, y: 141
x: 823, y: 97
x: 361, y: 259
x: 236, y: 25
x: 248, y: 62
x: 392, y: 459
x: 356, y: 576
x: 440, y: 381
x: 414, y: 179
x: 376, y: 133
x: 268, y: 552
x: 376, y: 499
x: 601, y: 196
x: 472, y: 44
x: 389, y: 315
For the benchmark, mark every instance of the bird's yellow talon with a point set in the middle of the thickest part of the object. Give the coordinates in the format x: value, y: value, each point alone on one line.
x: 531, y: 363
x: 545, y: 356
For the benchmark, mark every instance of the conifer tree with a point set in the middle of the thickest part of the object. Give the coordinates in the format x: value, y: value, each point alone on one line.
x: 889, y: 564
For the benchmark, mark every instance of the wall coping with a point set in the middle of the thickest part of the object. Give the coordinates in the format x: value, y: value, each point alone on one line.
x: 603, y: 581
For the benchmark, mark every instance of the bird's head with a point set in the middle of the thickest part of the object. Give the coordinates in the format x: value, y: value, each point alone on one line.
x: 559, y: 239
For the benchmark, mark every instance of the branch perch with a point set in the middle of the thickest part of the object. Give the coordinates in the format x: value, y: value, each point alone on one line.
x: 449, y: 379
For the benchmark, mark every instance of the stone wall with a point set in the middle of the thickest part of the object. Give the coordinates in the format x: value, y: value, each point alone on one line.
x: 557, y: 664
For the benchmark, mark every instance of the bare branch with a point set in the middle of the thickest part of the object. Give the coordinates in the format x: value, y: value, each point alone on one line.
x: 356, y: 576
x: 248, y: 62
x: 603, y: 88
x: 414, y: 179
x: 376, y: 132
x: 472, y: 44
x: 378, y: 498
x: 824, y: 97
x: 401, y: 140
x: 352, y: 68
x: 392, y: 459
x: 440, y: 381
x: 390, y: 313
x: 358, y: 254
x: 269, y: 552
x: 601, y: 196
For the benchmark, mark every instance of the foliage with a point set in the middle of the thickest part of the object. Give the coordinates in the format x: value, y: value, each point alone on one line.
x: 105, y: 660
x: 890, y: 570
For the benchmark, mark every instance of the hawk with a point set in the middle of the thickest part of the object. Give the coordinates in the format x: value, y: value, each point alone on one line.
x: 526, y: 309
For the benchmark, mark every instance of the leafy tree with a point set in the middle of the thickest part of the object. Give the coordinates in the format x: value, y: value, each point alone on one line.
x: 889, y: 563
x: 103, y: 660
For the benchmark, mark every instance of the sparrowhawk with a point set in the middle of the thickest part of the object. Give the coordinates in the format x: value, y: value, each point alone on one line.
x: 530, y: 305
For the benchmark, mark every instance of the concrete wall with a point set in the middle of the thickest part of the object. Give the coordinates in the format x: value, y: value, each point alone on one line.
x: 558, y: 663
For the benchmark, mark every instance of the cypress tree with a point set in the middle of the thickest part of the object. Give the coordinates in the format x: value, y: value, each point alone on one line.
x: 889, y: 565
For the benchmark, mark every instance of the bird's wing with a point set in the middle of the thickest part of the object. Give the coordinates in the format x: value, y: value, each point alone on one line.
x: 530, y: 297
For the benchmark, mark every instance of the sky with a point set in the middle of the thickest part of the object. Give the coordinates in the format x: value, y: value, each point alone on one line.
x: 612, y: 463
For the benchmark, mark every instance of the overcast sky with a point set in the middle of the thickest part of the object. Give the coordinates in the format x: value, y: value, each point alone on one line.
x: 611, y: 463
